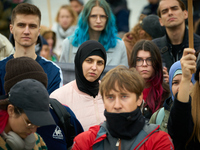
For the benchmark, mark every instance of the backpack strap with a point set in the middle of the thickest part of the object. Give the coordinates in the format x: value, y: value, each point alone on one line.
x: 64, y: 121
x: 144, y: 135
x: 160, y: 116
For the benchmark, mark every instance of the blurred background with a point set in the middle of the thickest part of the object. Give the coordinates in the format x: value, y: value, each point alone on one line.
x: 135, y: 7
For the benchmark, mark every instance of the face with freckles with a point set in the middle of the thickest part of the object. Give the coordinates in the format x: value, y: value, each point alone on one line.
x: 92, y: 67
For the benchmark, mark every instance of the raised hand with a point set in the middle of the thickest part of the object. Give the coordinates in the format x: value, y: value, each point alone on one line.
x: 188, y: 65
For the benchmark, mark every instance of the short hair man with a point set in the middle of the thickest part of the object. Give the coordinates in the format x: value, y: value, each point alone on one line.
x: 172, y: 15
x: 121, y: 89
x: 25, y: 27
x: 77, y: 5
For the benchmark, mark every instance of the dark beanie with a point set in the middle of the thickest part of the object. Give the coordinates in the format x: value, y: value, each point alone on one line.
x: 21, y: 68
x: 152, y: 26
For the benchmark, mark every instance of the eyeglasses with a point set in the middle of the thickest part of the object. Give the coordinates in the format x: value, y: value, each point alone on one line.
x: 102, y: 17
x: 29, y: 125
x: 140, y: 61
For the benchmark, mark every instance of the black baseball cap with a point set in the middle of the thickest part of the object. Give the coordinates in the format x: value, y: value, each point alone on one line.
x: 32, y: 96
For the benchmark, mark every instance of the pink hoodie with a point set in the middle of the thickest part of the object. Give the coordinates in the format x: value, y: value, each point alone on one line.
x: 88, y: 110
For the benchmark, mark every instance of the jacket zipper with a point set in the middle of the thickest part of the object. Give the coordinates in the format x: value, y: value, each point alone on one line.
x: 118, y: 144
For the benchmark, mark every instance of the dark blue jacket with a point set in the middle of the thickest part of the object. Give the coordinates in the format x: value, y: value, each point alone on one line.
x: 53, y: 71
x: 54, y: 136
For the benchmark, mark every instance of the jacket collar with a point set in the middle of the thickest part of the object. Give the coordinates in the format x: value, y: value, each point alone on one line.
x: 185, y: 38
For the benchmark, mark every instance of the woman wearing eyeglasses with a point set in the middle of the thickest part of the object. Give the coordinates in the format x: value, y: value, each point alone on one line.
x: 25, y: 109
x: 146, y: 59
x: 96, y: 22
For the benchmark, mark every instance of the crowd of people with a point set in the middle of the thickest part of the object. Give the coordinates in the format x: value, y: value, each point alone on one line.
x: 150, y: 99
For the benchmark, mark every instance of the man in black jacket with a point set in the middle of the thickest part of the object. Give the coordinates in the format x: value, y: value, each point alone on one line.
x: 172, y: 15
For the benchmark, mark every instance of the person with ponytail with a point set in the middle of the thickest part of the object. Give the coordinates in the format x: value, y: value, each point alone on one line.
x: 184, y: 120
x: 146, y: 59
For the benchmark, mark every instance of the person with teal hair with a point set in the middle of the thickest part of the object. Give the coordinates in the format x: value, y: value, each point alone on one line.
x: 96, y: 22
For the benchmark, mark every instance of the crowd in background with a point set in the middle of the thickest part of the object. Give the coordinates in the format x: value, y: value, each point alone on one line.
x: 152, y: 64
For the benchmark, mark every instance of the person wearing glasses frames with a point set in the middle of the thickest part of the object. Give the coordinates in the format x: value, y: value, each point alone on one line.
x: 146, y: 59
x: 96, y: 22
x: 25, y: 109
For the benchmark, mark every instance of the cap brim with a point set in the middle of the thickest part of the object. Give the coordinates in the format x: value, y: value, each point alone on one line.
x: 40, y: 118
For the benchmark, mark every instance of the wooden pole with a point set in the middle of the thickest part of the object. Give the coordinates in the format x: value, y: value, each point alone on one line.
x: 190, y: 24
x: 49, y: 12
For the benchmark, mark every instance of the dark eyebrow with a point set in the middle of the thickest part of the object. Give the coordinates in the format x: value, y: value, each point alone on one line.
x: 101, y: 60
x: 174, y: 7
x: 19, y: 23
x: 175, y: 80
x: 142, y: 58
x: 33, y: 25
x: 164, y: 9
x: 123, y: 93
x: 109, y: 94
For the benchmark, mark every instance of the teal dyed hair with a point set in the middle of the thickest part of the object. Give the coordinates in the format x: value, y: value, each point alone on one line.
x: 108, y: 37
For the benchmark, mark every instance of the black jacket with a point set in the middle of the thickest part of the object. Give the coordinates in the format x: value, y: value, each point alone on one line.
x: 180, y: 126
x: 165, y: 47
